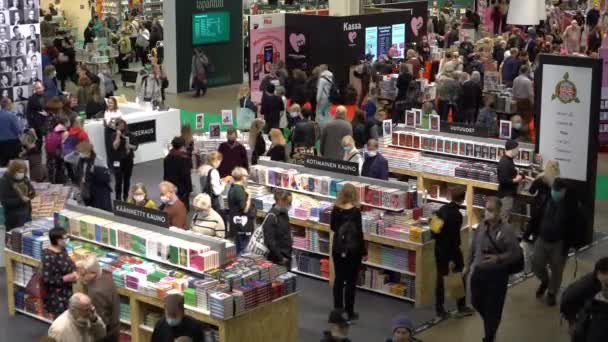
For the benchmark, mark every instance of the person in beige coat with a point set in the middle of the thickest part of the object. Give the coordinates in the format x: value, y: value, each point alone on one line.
x: 79, y: 323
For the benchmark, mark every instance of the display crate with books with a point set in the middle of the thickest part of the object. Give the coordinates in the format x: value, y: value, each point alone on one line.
x: 400, y: 261
x: 229, y: 300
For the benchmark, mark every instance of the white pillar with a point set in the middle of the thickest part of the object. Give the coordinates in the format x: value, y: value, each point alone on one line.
x: 170, y: 44
x: 344, y: 7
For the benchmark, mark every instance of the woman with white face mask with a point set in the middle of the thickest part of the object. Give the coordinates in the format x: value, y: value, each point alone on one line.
x: 16, y: 193
x: 138, y: 195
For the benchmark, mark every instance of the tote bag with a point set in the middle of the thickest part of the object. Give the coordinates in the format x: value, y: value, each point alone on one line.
x: 244, y: 116
x: 256, y: 243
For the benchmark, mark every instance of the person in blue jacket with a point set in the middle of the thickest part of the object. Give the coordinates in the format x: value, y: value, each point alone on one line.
x: 375, y: 165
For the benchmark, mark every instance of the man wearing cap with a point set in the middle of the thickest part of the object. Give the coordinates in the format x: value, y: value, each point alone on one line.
x: 508, y: 178
x: 176, y: 324
x: 338, y: 327
x: 403, y: 329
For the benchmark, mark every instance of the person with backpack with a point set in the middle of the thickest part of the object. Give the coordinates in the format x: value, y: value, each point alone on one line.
x: 54, y: 151
x: 351, y: 153
x: 348, y: 248
x: 277, y: 230
x: 493, y: 256
x: 325, y: 85
x: 210, y: 181
x: 584, y: 305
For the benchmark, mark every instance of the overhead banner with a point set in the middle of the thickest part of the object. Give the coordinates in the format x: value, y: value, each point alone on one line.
x: 267, y: 48
x: 20, y: 59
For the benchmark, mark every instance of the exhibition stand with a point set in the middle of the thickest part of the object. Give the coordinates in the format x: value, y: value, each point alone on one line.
x: 152, y: 129
x: 248, y: 297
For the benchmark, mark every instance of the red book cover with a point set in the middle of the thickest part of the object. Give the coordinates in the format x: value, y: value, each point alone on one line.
x: 439, y: 145
x: 409, y: 140
x: 454, y: 147
x: 432, y: 144
x: 416, y: 141
x: 401, y: 139
x: 395, y: 138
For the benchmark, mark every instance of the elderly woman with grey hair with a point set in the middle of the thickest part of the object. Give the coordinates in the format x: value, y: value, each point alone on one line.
x: 100, y: 287
x: 205, y: 220
x: 471, y: 99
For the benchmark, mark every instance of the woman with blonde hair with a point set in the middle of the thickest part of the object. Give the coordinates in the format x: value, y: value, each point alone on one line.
x: 351, y: 153
x: 138, y: 195
x: 204, y: 219
x: 244, y: 98
x: 541, y: 190
x: 211, y: 184
x: 277, y: 149
x: 256, y: 140
x: 241, y: 213
x: 348, y: 248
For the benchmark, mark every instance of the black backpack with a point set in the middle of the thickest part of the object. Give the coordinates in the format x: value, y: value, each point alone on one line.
x: 335, y: 95
x: 347, y: 241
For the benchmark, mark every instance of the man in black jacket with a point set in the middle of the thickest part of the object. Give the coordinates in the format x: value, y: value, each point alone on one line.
x: 175, y: 323
x: 176, y: 169
x: 305, y: 132
x: 277, y: 230
x: 551, y: 246
x: 508, y: 178
x: 448, y: 256
x: 585, y: 292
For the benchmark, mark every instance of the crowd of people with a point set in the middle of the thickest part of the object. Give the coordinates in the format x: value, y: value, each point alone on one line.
x: 301, y: 114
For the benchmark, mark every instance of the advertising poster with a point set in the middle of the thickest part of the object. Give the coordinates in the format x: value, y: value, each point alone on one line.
x: 603, y: 51
x: 565, y: 115
x: 267, y: 42
x: 371, y: 41
x: 20, y: 59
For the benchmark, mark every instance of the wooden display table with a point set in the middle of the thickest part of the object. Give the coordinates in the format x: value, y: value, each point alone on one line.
x: 274, y: 321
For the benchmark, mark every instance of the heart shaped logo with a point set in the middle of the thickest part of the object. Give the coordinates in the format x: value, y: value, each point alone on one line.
x: 352, y: 36
x: 416, y: 25
x: 296, y: 41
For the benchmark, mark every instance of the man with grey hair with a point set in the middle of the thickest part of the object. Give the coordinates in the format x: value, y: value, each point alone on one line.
x: 100, y: 288
x: 205, y: 220
x: 79, y: 323
x: 332, y: 134
x: 374, y: 165
x: 176, y: 324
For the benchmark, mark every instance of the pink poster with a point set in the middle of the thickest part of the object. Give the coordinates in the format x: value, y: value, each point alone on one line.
x: 267, y: 48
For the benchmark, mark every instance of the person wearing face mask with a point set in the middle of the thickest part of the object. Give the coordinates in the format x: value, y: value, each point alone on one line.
x: 91, y: 176
x: 584, y: 305
x: 351, y: 153
x: 493, y: 249
x: 172, y: 205
x: 139, y: 196
x: 551, y: 247
x: 176, y: 169
x: 175, y: 323
x: 277, y: 229
x: 374, y: 165
x: 277, y: 151
x: 519, y: 131
x: 58, y: 272
x: 295, y: 115
x: 204, y: 219
x: 271, y: 107
x: 234, y: 154
x: 100, y: 287
x: 210, y: 181
x: 121, y: 158
x: 16, y: 193
x: 79, y: 323
x: 508, y: 178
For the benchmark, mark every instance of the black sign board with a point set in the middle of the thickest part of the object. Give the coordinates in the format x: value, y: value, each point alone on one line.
x: 143, y: 132
x: 151, y: 216
x: 339, y: 166
x: 464, y: 129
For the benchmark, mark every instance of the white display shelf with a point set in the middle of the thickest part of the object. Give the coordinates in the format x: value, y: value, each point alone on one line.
x: 19, y: 284
x: 124, y: 321
x: 388, y: 268
x: 40, y: 318
x: 386, y: 293
x: 295, y: 270
x: 146, y: 328
x: 328, y: 197
x: 310, y: 251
